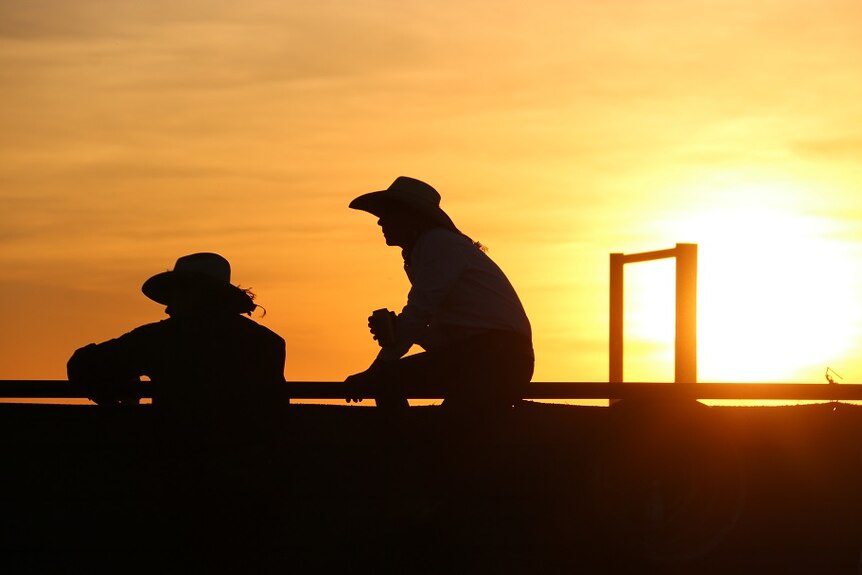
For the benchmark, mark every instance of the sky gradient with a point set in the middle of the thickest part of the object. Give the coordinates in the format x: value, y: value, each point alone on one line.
x: 134, y: 132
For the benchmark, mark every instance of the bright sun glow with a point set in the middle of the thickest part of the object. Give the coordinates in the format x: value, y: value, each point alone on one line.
x: 775, y: 295
x: 771, y: 301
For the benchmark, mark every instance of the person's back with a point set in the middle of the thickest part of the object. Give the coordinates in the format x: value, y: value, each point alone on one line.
x: 221, y: 362
x: 227, y: 362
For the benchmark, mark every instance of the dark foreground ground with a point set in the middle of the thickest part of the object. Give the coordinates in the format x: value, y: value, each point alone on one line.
x: 639, y: 488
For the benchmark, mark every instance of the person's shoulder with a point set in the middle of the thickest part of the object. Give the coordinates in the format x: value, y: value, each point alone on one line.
x: 155, y: 327
x: 146, y: 332
x: 251, y: 324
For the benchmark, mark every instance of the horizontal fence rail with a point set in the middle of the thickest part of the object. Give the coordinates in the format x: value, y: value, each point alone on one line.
x: 61, y: 389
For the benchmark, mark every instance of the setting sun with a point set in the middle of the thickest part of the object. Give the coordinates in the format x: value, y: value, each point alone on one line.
x: 776, y: 296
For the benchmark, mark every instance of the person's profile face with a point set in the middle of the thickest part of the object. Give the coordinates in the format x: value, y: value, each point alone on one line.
x: 399, y: 227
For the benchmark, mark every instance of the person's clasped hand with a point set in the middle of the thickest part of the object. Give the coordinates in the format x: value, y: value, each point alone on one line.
x: 381, y: 327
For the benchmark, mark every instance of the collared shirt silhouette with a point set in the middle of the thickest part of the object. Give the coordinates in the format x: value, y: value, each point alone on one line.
x: 206, y: 357
x: 461, y: 309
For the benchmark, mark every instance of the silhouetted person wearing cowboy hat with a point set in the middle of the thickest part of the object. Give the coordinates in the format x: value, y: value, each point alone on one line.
x: 205, y: 357
x: 219, y: 381
x: 461, y: 309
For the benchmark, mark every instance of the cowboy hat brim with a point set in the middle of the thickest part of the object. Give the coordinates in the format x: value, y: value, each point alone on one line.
x: 373, y: 202
x: 377, y: 203
x: 161, y: 287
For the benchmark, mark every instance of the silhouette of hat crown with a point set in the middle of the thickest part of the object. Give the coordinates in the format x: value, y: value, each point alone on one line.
x: 204, y: 270
x: 208, y: 264
x: 415, y: 192
x: 405, y: 191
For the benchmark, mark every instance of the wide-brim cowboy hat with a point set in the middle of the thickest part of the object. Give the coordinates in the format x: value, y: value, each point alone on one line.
x: 202, y: 271
x: 406, y: 192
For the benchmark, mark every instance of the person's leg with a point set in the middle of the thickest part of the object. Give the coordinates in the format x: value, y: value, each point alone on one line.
x: 491, y: 371
x: 389, y: 393
x: 391, y: 378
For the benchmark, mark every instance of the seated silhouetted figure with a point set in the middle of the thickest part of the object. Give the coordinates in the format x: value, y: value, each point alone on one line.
x: 461, y: 309
x: 206, y: 358
x: 218, y: 382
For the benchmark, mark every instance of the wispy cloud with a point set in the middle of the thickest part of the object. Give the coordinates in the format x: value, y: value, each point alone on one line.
x: 841, y: 148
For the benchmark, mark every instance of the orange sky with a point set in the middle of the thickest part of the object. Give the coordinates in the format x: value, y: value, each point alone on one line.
x: 135, y: 131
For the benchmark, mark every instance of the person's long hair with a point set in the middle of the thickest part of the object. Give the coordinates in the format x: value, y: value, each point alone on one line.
x: 424, y: 224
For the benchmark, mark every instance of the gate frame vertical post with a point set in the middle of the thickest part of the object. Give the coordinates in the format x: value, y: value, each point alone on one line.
x: 685, y: 354
x: 615, y: 338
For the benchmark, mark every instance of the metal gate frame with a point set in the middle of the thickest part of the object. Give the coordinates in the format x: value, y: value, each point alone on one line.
x: 685, y: 346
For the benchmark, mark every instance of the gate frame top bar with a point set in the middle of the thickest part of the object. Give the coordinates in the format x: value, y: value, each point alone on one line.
x: 649, y: 256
